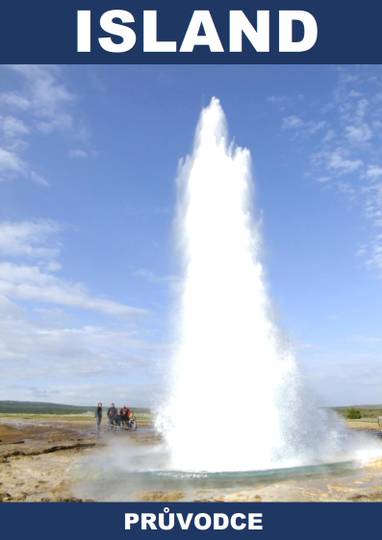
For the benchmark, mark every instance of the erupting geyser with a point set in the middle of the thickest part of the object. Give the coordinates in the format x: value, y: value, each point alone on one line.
x: 236, y: 398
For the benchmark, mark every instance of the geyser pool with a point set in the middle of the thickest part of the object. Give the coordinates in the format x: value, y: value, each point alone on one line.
x: 130, y: 470
x: 236, y: 401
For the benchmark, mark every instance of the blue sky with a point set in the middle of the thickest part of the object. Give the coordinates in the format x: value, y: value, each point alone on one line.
x: 88, y: 274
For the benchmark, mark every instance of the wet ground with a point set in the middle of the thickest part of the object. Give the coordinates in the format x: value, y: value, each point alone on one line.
x: 63, y: 459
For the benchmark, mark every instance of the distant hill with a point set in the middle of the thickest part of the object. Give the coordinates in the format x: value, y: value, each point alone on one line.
x: 40, y: 407
x: 36, y: 407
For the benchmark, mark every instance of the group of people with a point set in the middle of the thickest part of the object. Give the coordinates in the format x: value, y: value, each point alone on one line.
x: 117, y: 418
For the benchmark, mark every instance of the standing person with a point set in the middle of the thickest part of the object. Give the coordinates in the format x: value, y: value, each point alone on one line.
x: 111, y: 413
x: 125, y: 416
x: 98, y: 416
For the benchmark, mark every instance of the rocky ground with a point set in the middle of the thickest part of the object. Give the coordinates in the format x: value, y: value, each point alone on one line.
x: 39, y: 457
x: 36, y: 455
x: 359, y: 485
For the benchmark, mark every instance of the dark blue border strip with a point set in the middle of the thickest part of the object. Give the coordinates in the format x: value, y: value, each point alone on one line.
x: 41, y: 31
x: 101, y: 521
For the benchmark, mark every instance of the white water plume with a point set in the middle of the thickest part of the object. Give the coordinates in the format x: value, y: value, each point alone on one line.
x: 236, y: 401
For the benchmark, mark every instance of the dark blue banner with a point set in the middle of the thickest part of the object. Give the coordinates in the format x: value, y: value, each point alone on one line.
x: 190, y: 32
x: 134, y: 520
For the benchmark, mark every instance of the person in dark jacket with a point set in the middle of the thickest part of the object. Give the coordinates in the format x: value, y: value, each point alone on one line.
x: 112, y: 413
x: 98, y: 416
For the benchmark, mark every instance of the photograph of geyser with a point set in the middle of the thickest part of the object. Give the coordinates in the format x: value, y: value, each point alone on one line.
x: 199, y: 322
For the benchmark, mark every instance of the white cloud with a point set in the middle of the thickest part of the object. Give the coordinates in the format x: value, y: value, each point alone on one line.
x: 47, y: 96
x: 298, y: 124
x: 358, y: 133
x: 346, y: 154
x: 337, y: 161
x: 41, y: 342
x: 28, y: 239
x: 38, y: 179
x: 41, y: 102
x: 30, y: 283
x: 373, y: 171
x: 44, y: 351
x: 374, y: 258
x: 10, y: 162
x: 361, y: 108
x: 39, y: 282
x: 323, y: 179
x: 52, y: 266
x: 13, y: 166
x: 14, y: 100
x: 374, y: 203
x: 62, y: 362
x: 13, y: 127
